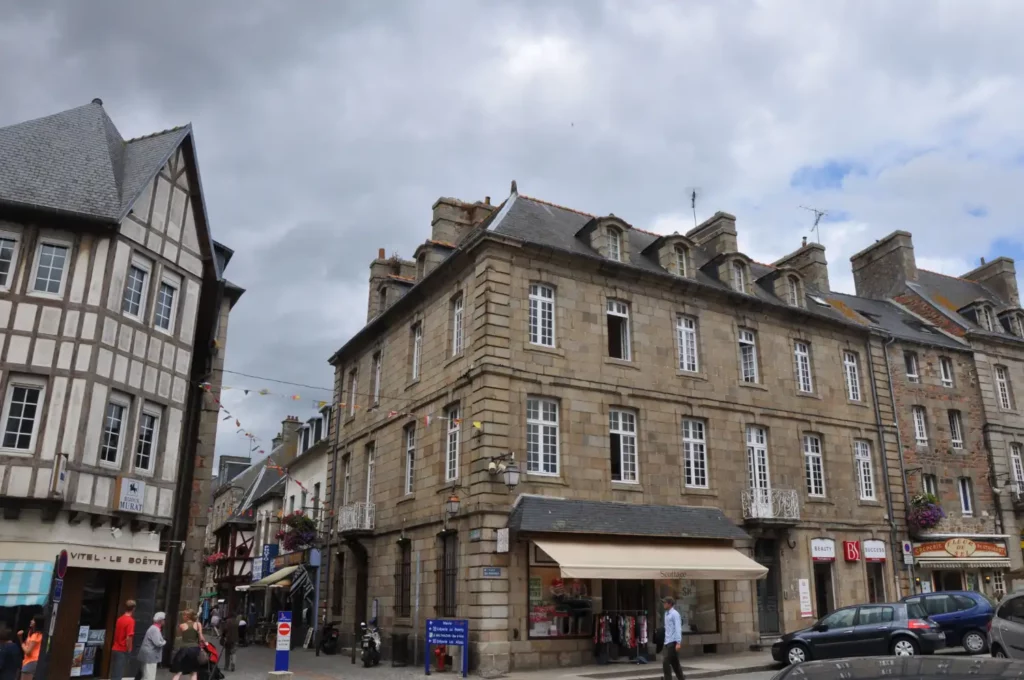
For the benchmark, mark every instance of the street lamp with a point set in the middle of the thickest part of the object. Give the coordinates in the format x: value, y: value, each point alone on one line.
x: 451, y: 506
x: 505, y: 465
x: 511, y: 475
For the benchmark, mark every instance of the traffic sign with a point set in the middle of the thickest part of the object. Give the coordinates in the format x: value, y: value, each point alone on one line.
x: 284, y: 641
x: 284, y: 630
x: 62, y: 563
x: 58, y: 589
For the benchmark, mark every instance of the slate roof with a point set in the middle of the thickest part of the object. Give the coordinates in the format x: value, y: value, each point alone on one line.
x: 76, y: 163
x: 959, y: 292
x: 896, y: 321
x: 554, y: 515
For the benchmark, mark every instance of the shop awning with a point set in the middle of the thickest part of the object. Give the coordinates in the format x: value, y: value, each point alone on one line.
x: 274, y: 578
x: 25, y: 583
x: 206, y: 595
x: 595, y: 559
x: 287, y: 583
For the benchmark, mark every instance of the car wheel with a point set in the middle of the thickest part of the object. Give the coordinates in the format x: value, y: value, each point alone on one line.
x: 796, y: 654
x: 904, y: 647
x: 998, y: 652
x: 974, y: 642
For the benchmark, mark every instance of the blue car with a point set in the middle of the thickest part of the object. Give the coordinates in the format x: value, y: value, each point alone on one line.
x: 963, y: 615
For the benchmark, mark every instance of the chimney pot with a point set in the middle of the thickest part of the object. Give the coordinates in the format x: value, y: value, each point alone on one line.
x: 380, y: 253
x: 487, y: 200
x: 97, y: 100
x: 802, y: 244
x: 983, y: 260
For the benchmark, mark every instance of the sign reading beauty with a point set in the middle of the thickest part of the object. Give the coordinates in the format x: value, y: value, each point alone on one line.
x: 961, y: 548
x: 823, y: 550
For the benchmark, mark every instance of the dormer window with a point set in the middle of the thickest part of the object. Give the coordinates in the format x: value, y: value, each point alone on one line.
x: 1017, y: 325
x: 793, y: 290
x: 739, y: 277
x: 985, y: 317
x: 614, y: 244
x: 679, y: 261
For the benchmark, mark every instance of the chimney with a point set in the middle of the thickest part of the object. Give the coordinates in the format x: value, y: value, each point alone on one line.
x: 717, y: 234
x: 1000, y: 275
x: 882, y: 269
x: 380, y: 269
x: 289, y: 439
x: 810, y: 261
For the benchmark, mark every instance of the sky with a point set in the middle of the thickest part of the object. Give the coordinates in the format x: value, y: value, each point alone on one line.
x: 327, y: 130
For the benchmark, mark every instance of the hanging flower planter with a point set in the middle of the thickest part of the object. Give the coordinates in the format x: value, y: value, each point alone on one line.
x: 299, y: 522
x: 925, y: 513
x: 216, y: 558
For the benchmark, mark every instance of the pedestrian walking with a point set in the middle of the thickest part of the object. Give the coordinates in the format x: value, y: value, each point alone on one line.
x: 215, y: 621
x: 186, y: 659
x: 11, y: 655
x: 31, y: 645
x: 152, y: 647
x: 124, y: 640
x: 673, y: 640
x: 229, y: 640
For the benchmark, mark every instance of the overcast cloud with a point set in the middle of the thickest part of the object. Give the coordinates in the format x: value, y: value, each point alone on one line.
x: 326, y: 130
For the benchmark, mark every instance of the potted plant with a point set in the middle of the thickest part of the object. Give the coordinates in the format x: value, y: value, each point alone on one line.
x: 216, y: 558
x: 925, y: 512
x: 298, y: 532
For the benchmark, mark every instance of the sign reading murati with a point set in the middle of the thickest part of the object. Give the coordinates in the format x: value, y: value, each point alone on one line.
x: 960, y: 548
x: 129, y: 495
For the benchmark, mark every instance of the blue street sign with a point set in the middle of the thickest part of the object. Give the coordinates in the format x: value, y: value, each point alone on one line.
x: 451, y: 633
x: 58, y: 589
x: 284, y: 641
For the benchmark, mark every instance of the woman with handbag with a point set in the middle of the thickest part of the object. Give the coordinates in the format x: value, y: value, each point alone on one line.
x: 189, y: 654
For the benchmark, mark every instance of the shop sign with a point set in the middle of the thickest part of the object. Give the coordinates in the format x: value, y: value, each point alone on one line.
x: 267, y: 559
x: 492, y: 572
x: 292, y: 559
x: 120, y: 560
x: 960, y: 548
x: 851, y: 551
x: 60, y: 475
x: 806, y: 608
x: 257, y: 570
x: 823, y: 550
x: 129, y: 494
x: 874, y: 550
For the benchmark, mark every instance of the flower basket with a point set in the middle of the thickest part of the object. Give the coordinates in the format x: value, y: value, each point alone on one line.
x: 298, y: 540
x: 216, y: 558
x: 925, y: 513
x: 297, y: 521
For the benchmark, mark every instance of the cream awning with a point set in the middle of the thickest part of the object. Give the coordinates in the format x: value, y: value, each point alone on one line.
x: 963, y: 564
x: 592, y: 559
x: 274, y: 578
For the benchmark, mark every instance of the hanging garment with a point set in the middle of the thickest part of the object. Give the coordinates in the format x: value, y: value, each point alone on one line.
x: 643, y: 630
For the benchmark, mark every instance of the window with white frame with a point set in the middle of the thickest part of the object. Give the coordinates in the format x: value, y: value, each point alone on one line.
x: 793, y: 290
x: 1016, y: 322
x: 378, y: 368
x: 920, y: 426
x: 748, y: 356
x: 617, y: 317
x: 814, y: 467
x: 946, y: 371
x: 614, y: 244
x: 998, y: 584
x: 410, y: 457
x: 165, y: 309
x: 802, y: 360
x: 542, y: 436
x: 739, y: 277
x: 136, y: 286
x: 23, y: 408
x: 451, y: 449
x: 930, y: 485
x: 956, y: 430
x: 112, y: 437
x: 353, y: 382
x: 8, y: 258
x: 1003, y: 388
x: 865, y: 469
x: 679, y: 263
x: 371, y: 462
x: 147, y: 439
x: 966, y: 488
x: 51, y: 265
x: 622, y: 440
x: 686, y: 342
x: 1017, y: 463
x: 985, y: 317
x: 851, y: 367
x: 346, y: 487
x: 542, y: 315
x: 910, y: 361
x: 457, y: 307
x: 695, y: 454
x: 417, y: 349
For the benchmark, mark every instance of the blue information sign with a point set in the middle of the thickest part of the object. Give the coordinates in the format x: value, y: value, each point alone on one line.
x: 58, y: 589
x: 451, y: 633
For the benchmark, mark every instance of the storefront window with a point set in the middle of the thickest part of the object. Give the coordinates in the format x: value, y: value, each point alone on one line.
x: 559, y: 607
x: 92, y: 623
x: 696, y: 602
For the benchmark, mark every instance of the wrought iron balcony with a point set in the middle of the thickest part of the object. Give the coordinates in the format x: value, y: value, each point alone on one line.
x: 771, y: 506
x: 356, y: 517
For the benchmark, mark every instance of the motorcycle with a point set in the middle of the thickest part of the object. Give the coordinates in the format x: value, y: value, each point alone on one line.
x: 330, y: 638
x: 370, y: 642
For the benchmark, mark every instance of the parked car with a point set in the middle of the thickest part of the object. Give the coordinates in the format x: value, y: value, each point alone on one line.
x: 941, y: 667
x: 963, y: 615
x: 1006, y: 634
x: 900, y: 629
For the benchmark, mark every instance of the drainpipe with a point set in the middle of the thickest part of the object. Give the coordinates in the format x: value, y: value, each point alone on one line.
x: 899, y: 444
x: 329, y: 512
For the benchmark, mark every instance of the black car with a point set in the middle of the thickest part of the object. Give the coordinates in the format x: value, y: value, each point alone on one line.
x: 900, y: 629
x: 940, y: 667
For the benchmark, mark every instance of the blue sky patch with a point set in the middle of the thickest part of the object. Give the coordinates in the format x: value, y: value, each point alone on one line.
x: 976, y: 210
x: 1004, y: 247
x: 829, y: 175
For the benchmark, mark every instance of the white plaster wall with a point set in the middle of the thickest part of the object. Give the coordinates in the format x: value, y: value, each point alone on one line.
x: 308, y: 471
x: 54, y: 420
x: 30, y: 528
x: 99, y: 268
x: 122, y: 253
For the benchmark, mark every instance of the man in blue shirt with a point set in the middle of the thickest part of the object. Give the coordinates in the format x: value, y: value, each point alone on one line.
x: 673, y: 639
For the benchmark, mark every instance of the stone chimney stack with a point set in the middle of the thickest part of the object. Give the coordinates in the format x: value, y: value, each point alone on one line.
x: 1000, y: 275
x: 289, y: 439
x: 717, y: 234
x: 453, y: 219
x: 810, y: 261
x: 882, y: 269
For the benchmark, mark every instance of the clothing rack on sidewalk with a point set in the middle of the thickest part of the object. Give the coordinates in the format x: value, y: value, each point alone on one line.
x: 613, y: 617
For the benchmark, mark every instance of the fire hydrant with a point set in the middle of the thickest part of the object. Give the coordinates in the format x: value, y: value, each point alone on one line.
x: 439, y: 654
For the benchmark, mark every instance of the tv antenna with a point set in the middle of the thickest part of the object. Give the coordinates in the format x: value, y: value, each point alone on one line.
x: 692, y: 194
x: 818, y: 214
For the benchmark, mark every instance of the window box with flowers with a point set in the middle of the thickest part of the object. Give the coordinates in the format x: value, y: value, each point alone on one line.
x: 298, y: 532
x: 925, y: 513
x: 216, y: 558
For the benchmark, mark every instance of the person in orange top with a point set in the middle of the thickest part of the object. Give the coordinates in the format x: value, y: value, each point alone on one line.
x: 31, y: 646
x: 124, y: 638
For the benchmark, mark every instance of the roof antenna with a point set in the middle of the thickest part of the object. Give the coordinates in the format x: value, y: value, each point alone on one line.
x: 694, y: 192
x: 818, y: 214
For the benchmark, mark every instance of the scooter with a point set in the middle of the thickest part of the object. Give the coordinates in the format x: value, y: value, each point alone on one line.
x: 330, y: 638
x: 370, y: 642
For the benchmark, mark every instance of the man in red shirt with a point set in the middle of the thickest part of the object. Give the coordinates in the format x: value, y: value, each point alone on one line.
x: 124, y: 637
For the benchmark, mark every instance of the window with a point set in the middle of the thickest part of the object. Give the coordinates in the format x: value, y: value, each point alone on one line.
x: 347, y: 481
x: 377, y: 368
x: 22, y: 414
x: 956, y: 430
x: 965, y: 488
x: 451, y: 450
x: 622, y: 437
x: 686, y: 340
x: 318, y: 428
x: 163, y: 314
x: 910, y: 359
x: 417, y: 349
x: 985, y: 317
x: 303, y: 501
x: 113, y: 428
x: 679, y: 263
x: 802, y: 359
x: 1016, y: 320
x: 291, y: 504
x: 930, y: 483
x: 843, y: 618
x: 695, y: 454
x: 403, y: 579
x: 145, y: 444
x: 946, y: 371
x: 851, y: 366
x: 410, y: 457
x: 618, y: 330
x: 456, y: 316
x: 370, y: 463
x: 739, y: 277
x: 920, y: 426
x: 338, y: 591
x: 8, y: 258
x: 1017, y: 462
x: 353, y: 377
x: 542, y: 315
x: 876, y: 582
x: 448, y: 574
x: 614, y: 244
x: 793, y: 291
x: 865, y: 471
x: 541, y: 436
x: 1003, y: 388
x: 316, y: 501
x: 50, y: 264
x: 814, y: 469
x: 748, y: 356
x: 998, y: 584
x: 134, y: 302
x: 874, y: 615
